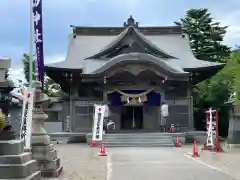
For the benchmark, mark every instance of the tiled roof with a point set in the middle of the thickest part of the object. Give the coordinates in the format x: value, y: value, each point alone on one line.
x: 175, y: 45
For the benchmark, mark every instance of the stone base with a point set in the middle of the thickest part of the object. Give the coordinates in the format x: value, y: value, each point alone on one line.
x: 35, y: 176
x: 17, y: 164
x: 52, y: 173
x: 233, y: 145
x: 47, y: 160
x: 7, y: 135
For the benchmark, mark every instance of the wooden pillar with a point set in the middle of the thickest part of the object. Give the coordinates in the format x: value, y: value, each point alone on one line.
x: 73, y: 96
x: 190, y: 107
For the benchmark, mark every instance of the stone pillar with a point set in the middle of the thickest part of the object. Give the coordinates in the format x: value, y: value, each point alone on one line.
x: 233, y: 139
x: 42, y: 149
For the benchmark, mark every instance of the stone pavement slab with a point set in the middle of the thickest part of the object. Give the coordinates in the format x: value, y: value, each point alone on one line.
x: 80, y: 162
x: 157, y: 163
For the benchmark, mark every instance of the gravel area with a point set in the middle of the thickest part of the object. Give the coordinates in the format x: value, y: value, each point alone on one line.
x: 80, y: 162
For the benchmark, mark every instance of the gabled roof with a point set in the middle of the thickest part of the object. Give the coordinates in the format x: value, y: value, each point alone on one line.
x: 138, y: 58
x: 92, y: 48
x: 130, y: 32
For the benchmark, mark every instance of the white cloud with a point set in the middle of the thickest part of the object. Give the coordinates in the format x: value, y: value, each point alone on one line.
x: 233, y: 32
x: 228, y: 13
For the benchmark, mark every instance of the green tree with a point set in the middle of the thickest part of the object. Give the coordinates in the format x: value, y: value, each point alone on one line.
x: 50, y: 87
x: 205, y: 34
x: 25, y: 61
x: 206, y: 37
x: 232, y: 69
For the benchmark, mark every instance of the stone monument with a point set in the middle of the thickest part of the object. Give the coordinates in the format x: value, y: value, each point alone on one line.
x: 233, y: 139
x: 42, y: 149
x: 14, y: 162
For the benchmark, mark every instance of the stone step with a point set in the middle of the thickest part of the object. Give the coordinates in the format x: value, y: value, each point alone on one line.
x: 147, y: 138
x: 11, y: 171
x: 45, y: 155
x: 16, y: 159
x: 36, y: 149
x: 50, y: 165
x: 126, y: 144
x: 135, y: 137
x: 53, y: 173
x: 137, y: 140
x: 34, y: 176
x: 12, y: 147
x: 141, y: 134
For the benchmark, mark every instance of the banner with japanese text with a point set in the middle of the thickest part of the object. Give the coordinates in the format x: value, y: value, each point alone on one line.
x: 38, y: 36
x: 97, y: 132
x: 26, y: 119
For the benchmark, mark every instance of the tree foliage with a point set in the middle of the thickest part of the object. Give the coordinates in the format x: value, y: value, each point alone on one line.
x: 50, y: 87
x: 2, y: 121
x: 25, y: 61
x: 206, y: 37
x: 232, y: 69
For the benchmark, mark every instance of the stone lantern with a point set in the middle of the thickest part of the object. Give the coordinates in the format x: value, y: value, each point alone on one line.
x: 6, y: 86
x: 42, y: 149
x: 14, y: 162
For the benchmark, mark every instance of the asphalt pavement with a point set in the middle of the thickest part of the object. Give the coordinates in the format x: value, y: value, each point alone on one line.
x: 159, y: 164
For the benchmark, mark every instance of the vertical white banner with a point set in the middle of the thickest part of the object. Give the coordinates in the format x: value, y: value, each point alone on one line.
x: 97, y: 133
x: 26, y: 120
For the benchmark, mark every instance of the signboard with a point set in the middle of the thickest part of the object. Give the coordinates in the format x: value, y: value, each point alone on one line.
x: 26, y: 118
x: 98, y: 122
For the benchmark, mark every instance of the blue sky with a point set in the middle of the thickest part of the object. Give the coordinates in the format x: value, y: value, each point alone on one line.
x: 58, y: 15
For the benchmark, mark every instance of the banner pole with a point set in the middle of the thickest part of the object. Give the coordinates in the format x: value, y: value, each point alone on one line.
x: 31, y: 45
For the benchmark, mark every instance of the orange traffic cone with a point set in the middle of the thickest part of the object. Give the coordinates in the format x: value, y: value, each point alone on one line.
x: 195, y: 152
x: 102, y: 151
x: 94, y: 144
x: 178, y: 144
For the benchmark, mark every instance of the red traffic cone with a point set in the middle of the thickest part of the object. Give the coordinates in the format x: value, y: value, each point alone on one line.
x: 102, y: 151
x: 178, y: 144
x: 94, y: 144
x: 195, y: 152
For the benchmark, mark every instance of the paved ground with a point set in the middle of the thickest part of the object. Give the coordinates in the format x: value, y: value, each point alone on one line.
x: 82, y: 163
x: 227, y: 161
x: 158, y: 163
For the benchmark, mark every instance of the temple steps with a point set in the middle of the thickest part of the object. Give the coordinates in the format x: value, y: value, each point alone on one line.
x: 138, y: 140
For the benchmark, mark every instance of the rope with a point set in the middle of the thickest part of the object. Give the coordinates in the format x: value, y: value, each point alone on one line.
x: 134, y: 95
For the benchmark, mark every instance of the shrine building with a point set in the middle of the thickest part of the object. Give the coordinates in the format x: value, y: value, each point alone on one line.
x: 133, y: 69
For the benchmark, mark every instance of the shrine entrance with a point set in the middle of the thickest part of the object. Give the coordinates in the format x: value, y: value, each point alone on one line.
x: 131, y: 117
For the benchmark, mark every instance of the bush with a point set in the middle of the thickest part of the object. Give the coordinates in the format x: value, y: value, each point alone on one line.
x: 2, y: 121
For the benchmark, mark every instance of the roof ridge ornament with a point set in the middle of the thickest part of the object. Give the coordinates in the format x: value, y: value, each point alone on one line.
x: 131, y: 22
